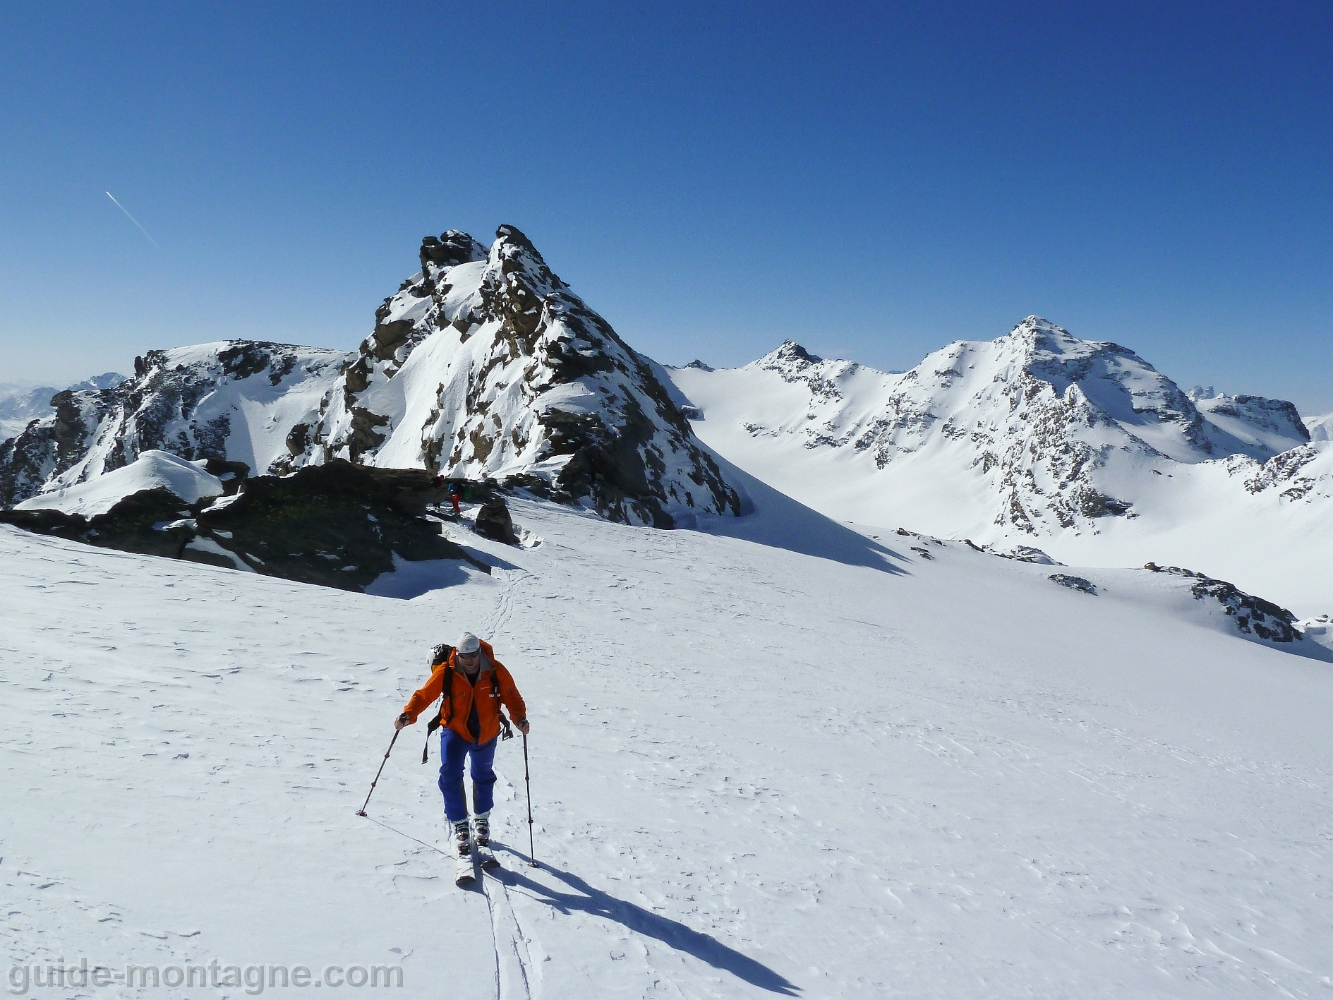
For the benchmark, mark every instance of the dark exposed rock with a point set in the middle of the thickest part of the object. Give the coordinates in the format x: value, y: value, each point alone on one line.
x: 357, y: 376
x: 389, y: 336
x: 1093, y: 503
x: 450, y: 249
x: 151, y: 522
x: 298, y: 439
x: 336, y: 525
x: 364, y: 437
x: 244, y: 359
x: 1073, y: 583
x: 231, y: 474
x: 493, y: 522
x: 1253, y: 615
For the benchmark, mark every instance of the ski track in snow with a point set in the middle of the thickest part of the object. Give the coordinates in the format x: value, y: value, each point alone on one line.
x: 755, y: 773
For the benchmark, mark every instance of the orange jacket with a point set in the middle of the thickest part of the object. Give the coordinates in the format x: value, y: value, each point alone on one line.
x: 464, y: 693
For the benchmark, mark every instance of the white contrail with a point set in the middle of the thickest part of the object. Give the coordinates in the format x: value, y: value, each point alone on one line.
x: 131, y: 218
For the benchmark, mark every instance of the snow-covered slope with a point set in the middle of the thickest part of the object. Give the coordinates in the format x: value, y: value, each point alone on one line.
x: 486, y: 364
x: 233, y: 400
x: 774, y: 757
x: 1081, y: 448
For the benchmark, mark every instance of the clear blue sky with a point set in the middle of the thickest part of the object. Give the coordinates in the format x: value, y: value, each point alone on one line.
x: 872, y: 180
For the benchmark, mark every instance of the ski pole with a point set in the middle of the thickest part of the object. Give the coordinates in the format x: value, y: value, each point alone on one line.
x: 527, y: 781
x: 362, y: 810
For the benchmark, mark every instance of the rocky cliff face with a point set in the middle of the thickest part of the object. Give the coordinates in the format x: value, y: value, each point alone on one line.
x: 486, y: 365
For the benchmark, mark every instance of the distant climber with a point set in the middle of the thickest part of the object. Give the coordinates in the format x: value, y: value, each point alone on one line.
x: 474, y: 684
x: 455, y: 496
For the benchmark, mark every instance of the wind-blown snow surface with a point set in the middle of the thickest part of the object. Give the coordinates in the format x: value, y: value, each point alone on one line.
x: 1038, y: 438
x: 755, y: 772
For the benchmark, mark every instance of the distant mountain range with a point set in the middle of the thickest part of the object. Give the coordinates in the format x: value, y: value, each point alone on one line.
x: 1039, y: 439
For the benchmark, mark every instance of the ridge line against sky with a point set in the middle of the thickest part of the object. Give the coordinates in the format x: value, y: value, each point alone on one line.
x: 869, y: 182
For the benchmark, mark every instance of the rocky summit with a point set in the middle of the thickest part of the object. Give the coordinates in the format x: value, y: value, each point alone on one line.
x: 485, y: 364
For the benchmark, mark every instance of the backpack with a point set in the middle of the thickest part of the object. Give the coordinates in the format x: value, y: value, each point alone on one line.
x: 440, y: 654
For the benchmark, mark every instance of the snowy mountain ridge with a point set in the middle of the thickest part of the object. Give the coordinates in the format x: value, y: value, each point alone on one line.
x: 232, y: 400
x: 1034, y: 435
x: 484, y: 364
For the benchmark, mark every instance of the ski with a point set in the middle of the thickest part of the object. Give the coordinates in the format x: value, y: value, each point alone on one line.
x: 463, y: 873
x: 486, y: 858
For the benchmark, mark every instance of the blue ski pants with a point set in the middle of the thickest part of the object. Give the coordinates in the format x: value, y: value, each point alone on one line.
x: 453, y: 751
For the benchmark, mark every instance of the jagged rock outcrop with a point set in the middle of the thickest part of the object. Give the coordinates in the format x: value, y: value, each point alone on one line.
x: 486, y: 365
x: 20, y: 407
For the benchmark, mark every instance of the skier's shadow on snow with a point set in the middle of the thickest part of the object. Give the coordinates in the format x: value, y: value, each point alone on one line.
x: 586, y: 899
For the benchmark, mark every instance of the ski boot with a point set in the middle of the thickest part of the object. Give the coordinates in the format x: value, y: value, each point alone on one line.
x: 482, y: 826
x: 463, y: 874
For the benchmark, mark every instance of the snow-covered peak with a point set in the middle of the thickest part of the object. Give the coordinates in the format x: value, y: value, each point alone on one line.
x: 1102, y: 384
x: 791, y: 357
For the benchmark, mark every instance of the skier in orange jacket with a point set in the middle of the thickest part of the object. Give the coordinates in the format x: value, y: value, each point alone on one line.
x: 470, y: 726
